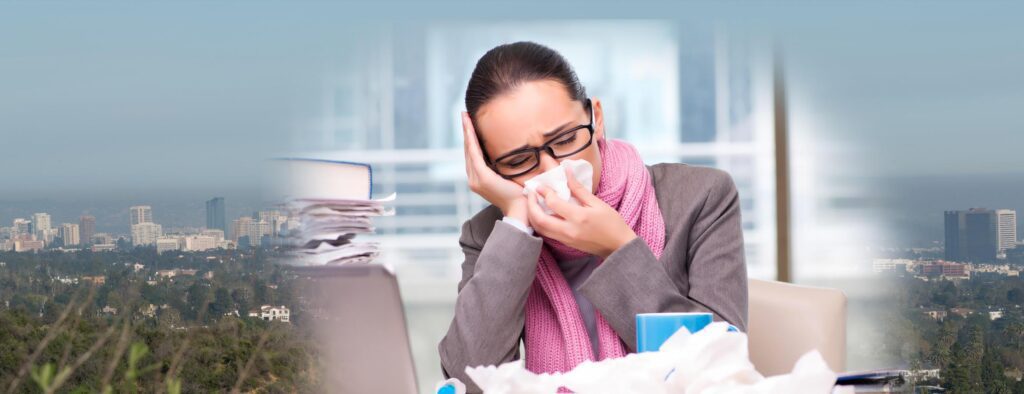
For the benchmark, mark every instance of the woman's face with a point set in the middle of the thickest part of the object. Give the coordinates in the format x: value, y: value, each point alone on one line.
x: 531, y: 115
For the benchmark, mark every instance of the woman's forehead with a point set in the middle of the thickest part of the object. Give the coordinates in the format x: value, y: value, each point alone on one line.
x: 523, y: 115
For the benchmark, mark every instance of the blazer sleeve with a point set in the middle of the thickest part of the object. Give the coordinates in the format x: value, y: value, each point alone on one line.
x: 632, y: 280
x: 490, y: 307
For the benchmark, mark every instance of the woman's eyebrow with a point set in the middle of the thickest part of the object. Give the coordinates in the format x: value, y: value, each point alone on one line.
x: 546, y: 135
x: 557, y: 129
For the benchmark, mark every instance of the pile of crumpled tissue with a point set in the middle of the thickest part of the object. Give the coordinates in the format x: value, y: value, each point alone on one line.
x: 712, y: 361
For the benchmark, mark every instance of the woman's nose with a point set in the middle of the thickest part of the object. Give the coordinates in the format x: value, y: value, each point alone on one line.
x: 547, y: 162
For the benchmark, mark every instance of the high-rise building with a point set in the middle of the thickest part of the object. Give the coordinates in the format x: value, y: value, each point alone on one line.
x: 40, y: 223
x: 141, y: 214
x: 1007, y: 227
x: 48, y: 235
x: 971, y: 235
x: 144, y: 234
x: 215, y: 215
x: 69, y: 232
x: 87, y: 226
x: 22, y: 227
x: 240, y: 228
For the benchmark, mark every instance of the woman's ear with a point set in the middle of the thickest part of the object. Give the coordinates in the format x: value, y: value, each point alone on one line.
x: 598, y: 119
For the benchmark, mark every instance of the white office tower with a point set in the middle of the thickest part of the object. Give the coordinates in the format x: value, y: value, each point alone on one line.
x: 69, y: 232
x: 1007, y: 228
x: 146, y: 233
x: 41, y: 223
x: 141, y: 214
x: 20, y: 227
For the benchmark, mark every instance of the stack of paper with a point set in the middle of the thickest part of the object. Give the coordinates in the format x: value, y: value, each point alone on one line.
x: 328, y: 228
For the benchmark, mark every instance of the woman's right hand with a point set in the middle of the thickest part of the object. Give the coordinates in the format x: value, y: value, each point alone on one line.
x: 503, y: 193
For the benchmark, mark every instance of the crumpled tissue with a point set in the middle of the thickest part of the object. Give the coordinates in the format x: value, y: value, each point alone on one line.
x: 712, y: 361
x: 556, y: 180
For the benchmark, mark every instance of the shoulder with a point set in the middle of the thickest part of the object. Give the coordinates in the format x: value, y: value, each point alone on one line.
x: 680, y: 183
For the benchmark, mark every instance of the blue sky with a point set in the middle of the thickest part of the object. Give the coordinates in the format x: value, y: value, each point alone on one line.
x: 108, y: 98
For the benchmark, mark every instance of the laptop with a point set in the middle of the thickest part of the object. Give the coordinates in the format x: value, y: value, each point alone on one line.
x: 360, y: 328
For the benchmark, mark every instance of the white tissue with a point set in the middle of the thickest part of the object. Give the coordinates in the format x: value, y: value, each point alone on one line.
x: 460, y: 388
x: 555, y: 180
x: 712, y: 361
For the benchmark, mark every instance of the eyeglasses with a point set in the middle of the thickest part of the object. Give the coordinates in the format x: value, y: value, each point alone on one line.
x: 565, y: 144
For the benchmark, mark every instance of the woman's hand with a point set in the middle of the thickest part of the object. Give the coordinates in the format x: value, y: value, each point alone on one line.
x: 503, y: 193
x: 595, y: 227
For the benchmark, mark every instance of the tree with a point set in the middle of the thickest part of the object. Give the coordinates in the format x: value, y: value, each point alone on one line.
x: 198, y: 296
x: 222, y: 302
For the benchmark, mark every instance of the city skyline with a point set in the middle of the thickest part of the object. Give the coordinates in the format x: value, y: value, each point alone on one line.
x: 250, y: 230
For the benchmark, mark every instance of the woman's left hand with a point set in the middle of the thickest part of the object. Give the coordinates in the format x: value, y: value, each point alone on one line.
x: 594, y: 227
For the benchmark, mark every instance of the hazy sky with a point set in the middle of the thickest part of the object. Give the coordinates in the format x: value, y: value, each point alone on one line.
x: 113, y: 98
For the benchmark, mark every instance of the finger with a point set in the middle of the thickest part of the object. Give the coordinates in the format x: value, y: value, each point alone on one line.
x: 560, y: 207
x: 544, y: 223
x: 585, y: 197
x: 473, y: 146
x: 465, y: 141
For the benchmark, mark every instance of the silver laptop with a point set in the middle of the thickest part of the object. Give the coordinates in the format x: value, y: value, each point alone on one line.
x: 360, y: 328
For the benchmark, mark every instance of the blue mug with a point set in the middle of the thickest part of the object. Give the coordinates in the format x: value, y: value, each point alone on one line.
x: 653, y: 329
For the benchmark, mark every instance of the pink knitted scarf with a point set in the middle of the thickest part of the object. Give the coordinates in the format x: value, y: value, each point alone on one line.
x: 556, y: 338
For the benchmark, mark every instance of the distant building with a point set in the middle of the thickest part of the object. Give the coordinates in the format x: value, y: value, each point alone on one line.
x: 247, y: 228
x: 96, y: 280
x: 101, y: 238
x: 217, y: 234
x: 167, y: 273
x: 216, y: 217
x: 167, y: 244
x: 1007, y: 228
x: 271, y: 313
x: 936, y: 314
x: 28, y: 245
x: 104, y: 247
x: 197, y: 243
x: 21, y: 226
x: 962, y: 312
x: 144, y: 234
x: 148, y: 310
x: 996, y: 314
x: 240, y: 227
x: 40, y: 223
x: 971, y: 235
x: 890, y: 265
x: 69, y: 232
x: 945, y: 269
x: 141, y: 214
x: 87, y: 227
x: 176, y: 272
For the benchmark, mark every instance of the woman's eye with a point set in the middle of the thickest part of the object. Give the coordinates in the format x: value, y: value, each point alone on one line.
x: 516, y: 162
x: 567, y: 140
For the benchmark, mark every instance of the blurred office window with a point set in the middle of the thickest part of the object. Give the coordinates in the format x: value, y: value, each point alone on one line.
x: 694, y: 94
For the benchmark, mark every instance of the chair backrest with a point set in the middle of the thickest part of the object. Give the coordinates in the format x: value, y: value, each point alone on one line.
x: 786, y: 321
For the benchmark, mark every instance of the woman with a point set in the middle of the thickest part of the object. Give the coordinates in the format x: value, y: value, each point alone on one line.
x: 663, y: 238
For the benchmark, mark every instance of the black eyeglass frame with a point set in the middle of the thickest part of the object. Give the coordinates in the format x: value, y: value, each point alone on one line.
x: 546, y: 147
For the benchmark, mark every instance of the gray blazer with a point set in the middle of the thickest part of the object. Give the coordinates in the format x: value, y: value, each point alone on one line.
x: 701, y: 269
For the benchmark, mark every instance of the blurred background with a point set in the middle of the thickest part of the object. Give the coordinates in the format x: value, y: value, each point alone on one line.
x: 824, y: 115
